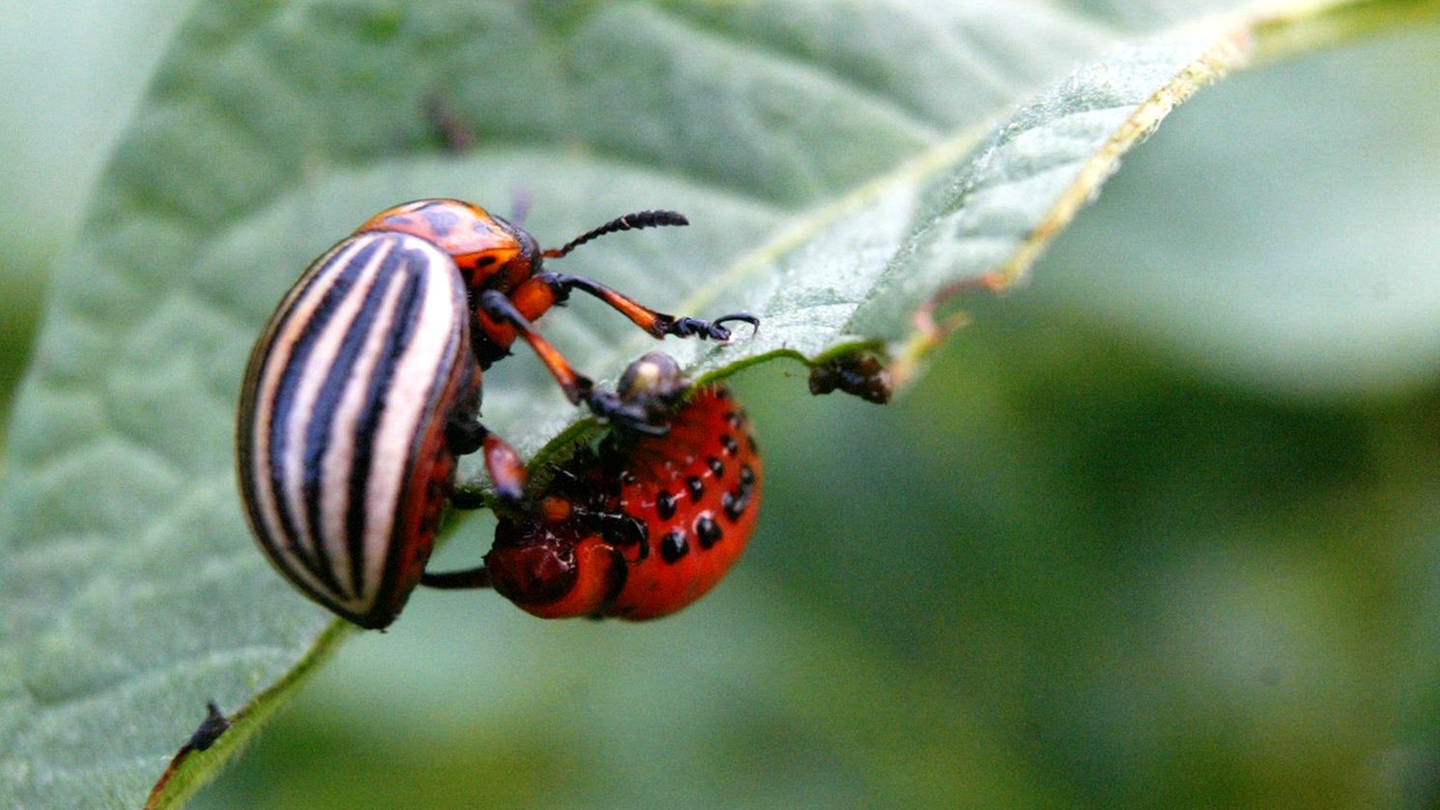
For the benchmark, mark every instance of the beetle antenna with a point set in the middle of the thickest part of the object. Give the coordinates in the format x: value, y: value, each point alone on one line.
x: 635, y: 221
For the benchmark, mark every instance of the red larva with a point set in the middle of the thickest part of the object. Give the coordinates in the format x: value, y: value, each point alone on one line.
x: 641, y: 525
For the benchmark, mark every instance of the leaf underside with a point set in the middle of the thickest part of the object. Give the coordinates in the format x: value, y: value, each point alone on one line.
x: 848, y: 169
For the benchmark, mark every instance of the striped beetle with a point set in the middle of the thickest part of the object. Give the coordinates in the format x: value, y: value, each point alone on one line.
x: 364, y: 387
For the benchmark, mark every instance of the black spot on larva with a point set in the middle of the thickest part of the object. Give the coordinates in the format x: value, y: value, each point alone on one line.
x: 628, y: 477
x: 731, y: 446
x: 665, y: 505
x: 717, y: 467
x: 673, y: 546
x: 722, y: 393
x: 733, y: 420
x: 707, y: 530
x: 696, y: 487
x: 754, y: 445
x: 735, y: 503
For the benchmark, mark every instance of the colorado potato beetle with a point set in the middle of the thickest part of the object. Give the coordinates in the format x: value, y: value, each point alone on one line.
x: 364, y: 387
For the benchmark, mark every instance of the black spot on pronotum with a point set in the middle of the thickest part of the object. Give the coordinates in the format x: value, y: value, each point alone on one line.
x: 707, y: 530
x: 441, y: 221
x: 673, y: 546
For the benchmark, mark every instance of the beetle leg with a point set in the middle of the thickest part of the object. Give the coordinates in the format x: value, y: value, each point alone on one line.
x: 455, y: 580
x: 498, y: 309
x: 506, y: 469
x: 616, y: 528
x: 609, y: 405
x: 656, y: 324
x: 507, y: 477
x: 464, y: 434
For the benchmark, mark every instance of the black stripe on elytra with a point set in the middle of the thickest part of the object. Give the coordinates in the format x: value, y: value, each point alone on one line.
x: 341, y: 281
x: 320, y: 421
x: 409, y: 269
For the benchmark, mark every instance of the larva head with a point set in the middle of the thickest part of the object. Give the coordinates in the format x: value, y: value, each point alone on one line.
x: 651, y: 520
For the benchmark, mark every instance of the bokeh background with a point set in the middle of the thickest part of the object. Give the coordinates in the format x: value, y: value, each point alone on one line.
x: 1158, y: 529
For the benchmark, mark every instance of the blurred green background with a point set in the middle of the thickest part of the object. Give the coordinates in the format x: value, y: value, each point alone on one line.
x: 1159, y: 529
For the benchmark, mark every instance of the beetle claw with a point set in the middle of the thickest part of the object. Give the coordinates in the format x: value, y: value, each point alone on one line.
x: 741, y: 317
x: 708, y: 330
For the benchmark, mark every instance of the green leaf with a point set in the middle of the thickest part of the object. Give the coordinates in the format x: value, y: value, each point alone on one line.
x: 848, y: 168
